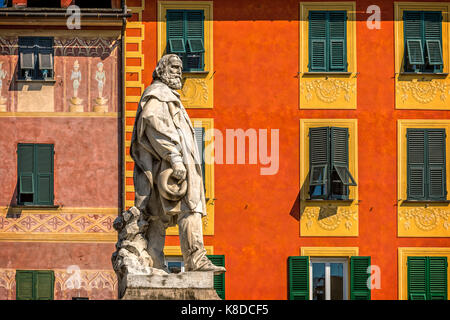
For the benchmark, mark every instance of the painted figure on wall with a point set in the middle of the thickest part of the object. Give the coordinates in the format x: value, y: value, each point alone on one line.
x: 3, y: 74
x: 100, y: 76
x: 75, y: 101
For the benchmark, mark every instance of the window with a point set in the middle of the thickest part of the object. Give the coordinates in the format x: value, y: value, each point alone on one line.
x: 427, y: 278
x: 175, y: 264
x: 327, y: 41
x: 329, y: 176
x: 34, y: 285
x: 219, y: 280
x: 93, y: 4
x: 426, y: 172
x: 35, y: 174
x: 44, y: 4
x: 423, y: 41
x: 185, y: 37
x: 327, y: 278
x: 35, y: 58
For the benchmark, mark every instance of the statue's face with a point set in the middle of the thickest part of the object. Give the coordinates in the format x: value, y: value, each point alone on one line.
x: 172, y: 75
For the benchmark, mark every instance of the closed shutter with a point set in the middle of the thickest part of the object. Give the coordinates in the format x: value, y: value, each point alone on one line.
x: 436, y: 175
x: 44, y: 285
x: 25, y: 173
x: 359, y: 275
x: 199, y: 138
x: 433, y: 38
x: 24, y: 285
x: 417, y: 278
x: 317, y: 41
x: 416, y: 164
x: 319, y: 157
x: 298, y: 278
x: 44, y: 174
x: 437, y: 278
x: 337, y: 40
x: 219, y: 280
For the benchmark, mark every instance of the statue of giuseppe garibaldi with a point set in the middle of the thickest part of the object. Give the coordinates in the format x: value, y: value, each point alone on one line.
x: 167, y: 179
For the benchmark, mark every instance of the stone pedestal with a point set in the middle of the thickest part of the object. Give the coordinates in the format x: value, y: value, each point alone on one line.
x: 178, y: 286
x: 100, y: 104
x: 75, y: 105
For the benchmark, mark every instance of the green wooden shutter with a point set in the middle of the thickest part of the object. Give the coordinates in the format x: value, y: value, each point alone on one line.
x: 417, y: 278
x: 219, y: 280
x: 319, y: 157
x: 317, y: 41
x: 195, y: 40
x: 433, y: 39
x: 25, y: 173
x: 44, y: 174
x: 337, y: 40
x: 44, y: 285
x: 24, y: 285
x: 175, y: 32
x: 437, y: 267
x: 436, y: 173
x: 359, y: 275
x: 199, y: 138
x: 414, y: 40
x: 416, y: 164
x: 298, y: 278
x: 340, y: 175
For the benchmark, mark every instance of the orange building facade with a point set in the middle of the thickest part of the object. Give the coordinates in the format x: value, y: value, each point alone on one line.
x: 256, y: 75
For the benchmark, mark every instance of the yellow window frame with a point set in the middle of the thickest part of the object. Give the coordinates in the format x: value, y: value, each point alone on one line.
x: 315, y: 87
x: 328, y: 218
x: 197, y: 91
x: 420, y: 219
x: 424, y: 90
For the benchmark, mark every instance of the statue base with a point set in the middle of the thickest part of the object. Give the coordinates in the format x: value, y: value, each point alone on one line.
x: 173, y: 286
x: 2, y: 107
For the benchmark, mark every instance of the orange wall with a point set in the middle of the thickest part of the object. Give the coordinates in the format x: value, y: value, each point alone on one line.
x: 256, y: 59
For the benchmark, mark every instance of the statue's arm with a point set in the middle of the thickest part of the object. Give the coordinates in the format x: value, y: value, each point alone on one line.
x: 161, y: 132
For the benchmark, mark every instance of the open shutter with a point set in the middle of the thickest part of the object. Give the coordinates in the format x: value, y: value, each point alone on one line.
x: 319, y: 156
x: 44, y: 285
x: 417, y: 278
x: 44, y: 174
x: 25, y: 172
x: 24, y: 285
x: 317, y: 41
x: 359, y: 275
x: 340, y: 176
x: 433, y: 38
x: 416, y: 164
x: 437, y: 267
x: 175, y: 32
x: 199, y: 138
x: 195, y: 39
x: 298, y: 278
x: 414, y: 41
x: 219, y: 280
x: 436, y: 175
x: 337, y: 37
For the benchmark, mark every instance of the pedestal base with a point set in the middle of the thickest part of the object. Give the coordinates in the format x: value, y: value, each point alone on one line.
x: 179, y: 286
x: 2, y: 107
x: 76, y: 108
x: 102, y: 108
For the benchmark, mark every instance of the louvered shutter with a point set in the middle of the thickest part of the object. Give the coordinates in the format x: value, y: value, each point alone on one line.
x: 319, y: 157
x: 44, y: 174
x: 340, y: 174
x: 219, y: 280
x: 317, y: 41
x: 413, y: 35
x: 195, y: 40
x: 44, y: 285
x: 433, y: 38
x: 175, y: 32
x: 337, y: 40
x: 436, y: 173
x: 298, y: 278
x: 25, y: 173
x: 438, y: 278
x: 199, y: 138
x: 24, y: 285
x: 417, y: 278
x: 359, y: 275
x: 416, y: 164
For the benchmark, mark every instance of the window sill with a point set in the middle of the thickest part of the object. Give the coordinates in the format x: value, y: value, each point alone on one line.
x: 36, y: 81
x: 196, y: 72
x: 425, y: 201
x: 328, y: 73
x: 36, y: 206
x: 422, y: 73
x: 330, y: 200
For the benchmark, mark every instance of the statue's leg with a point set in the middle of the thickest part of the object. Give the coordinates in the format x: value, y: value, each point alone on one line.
x: 191, y: 240
x: 156, y: 235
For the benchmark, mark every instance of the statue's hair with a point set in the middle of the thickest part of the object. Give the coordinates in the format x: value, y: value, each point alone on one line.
x: 162, y: 64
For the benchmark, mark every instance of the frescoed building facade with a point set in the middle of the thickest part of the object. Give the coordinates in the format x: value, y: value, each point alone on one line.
x: 344, y: 111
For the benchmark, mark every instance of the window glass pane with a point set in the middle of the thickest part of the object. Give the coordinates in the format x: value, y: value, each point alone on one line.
x: 174, y: 267
x: 336, y: 281
x: 318, y: 279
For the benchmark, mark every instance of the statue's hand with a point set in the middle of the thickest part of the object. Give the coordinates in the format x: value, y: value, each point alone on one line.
x: 179, y: 171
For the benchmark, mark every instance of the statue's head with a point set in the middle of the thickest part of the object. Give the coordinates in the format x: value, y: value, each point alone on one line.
x: 169, y: 71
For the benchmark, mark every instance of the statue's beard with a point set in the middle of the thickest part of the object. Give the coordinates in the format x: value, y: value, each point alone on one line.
x: 172, y: 80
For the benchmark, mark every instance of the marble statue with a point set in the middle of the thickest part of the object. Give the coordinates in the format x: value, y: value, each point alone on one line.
x: 167, y: 179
